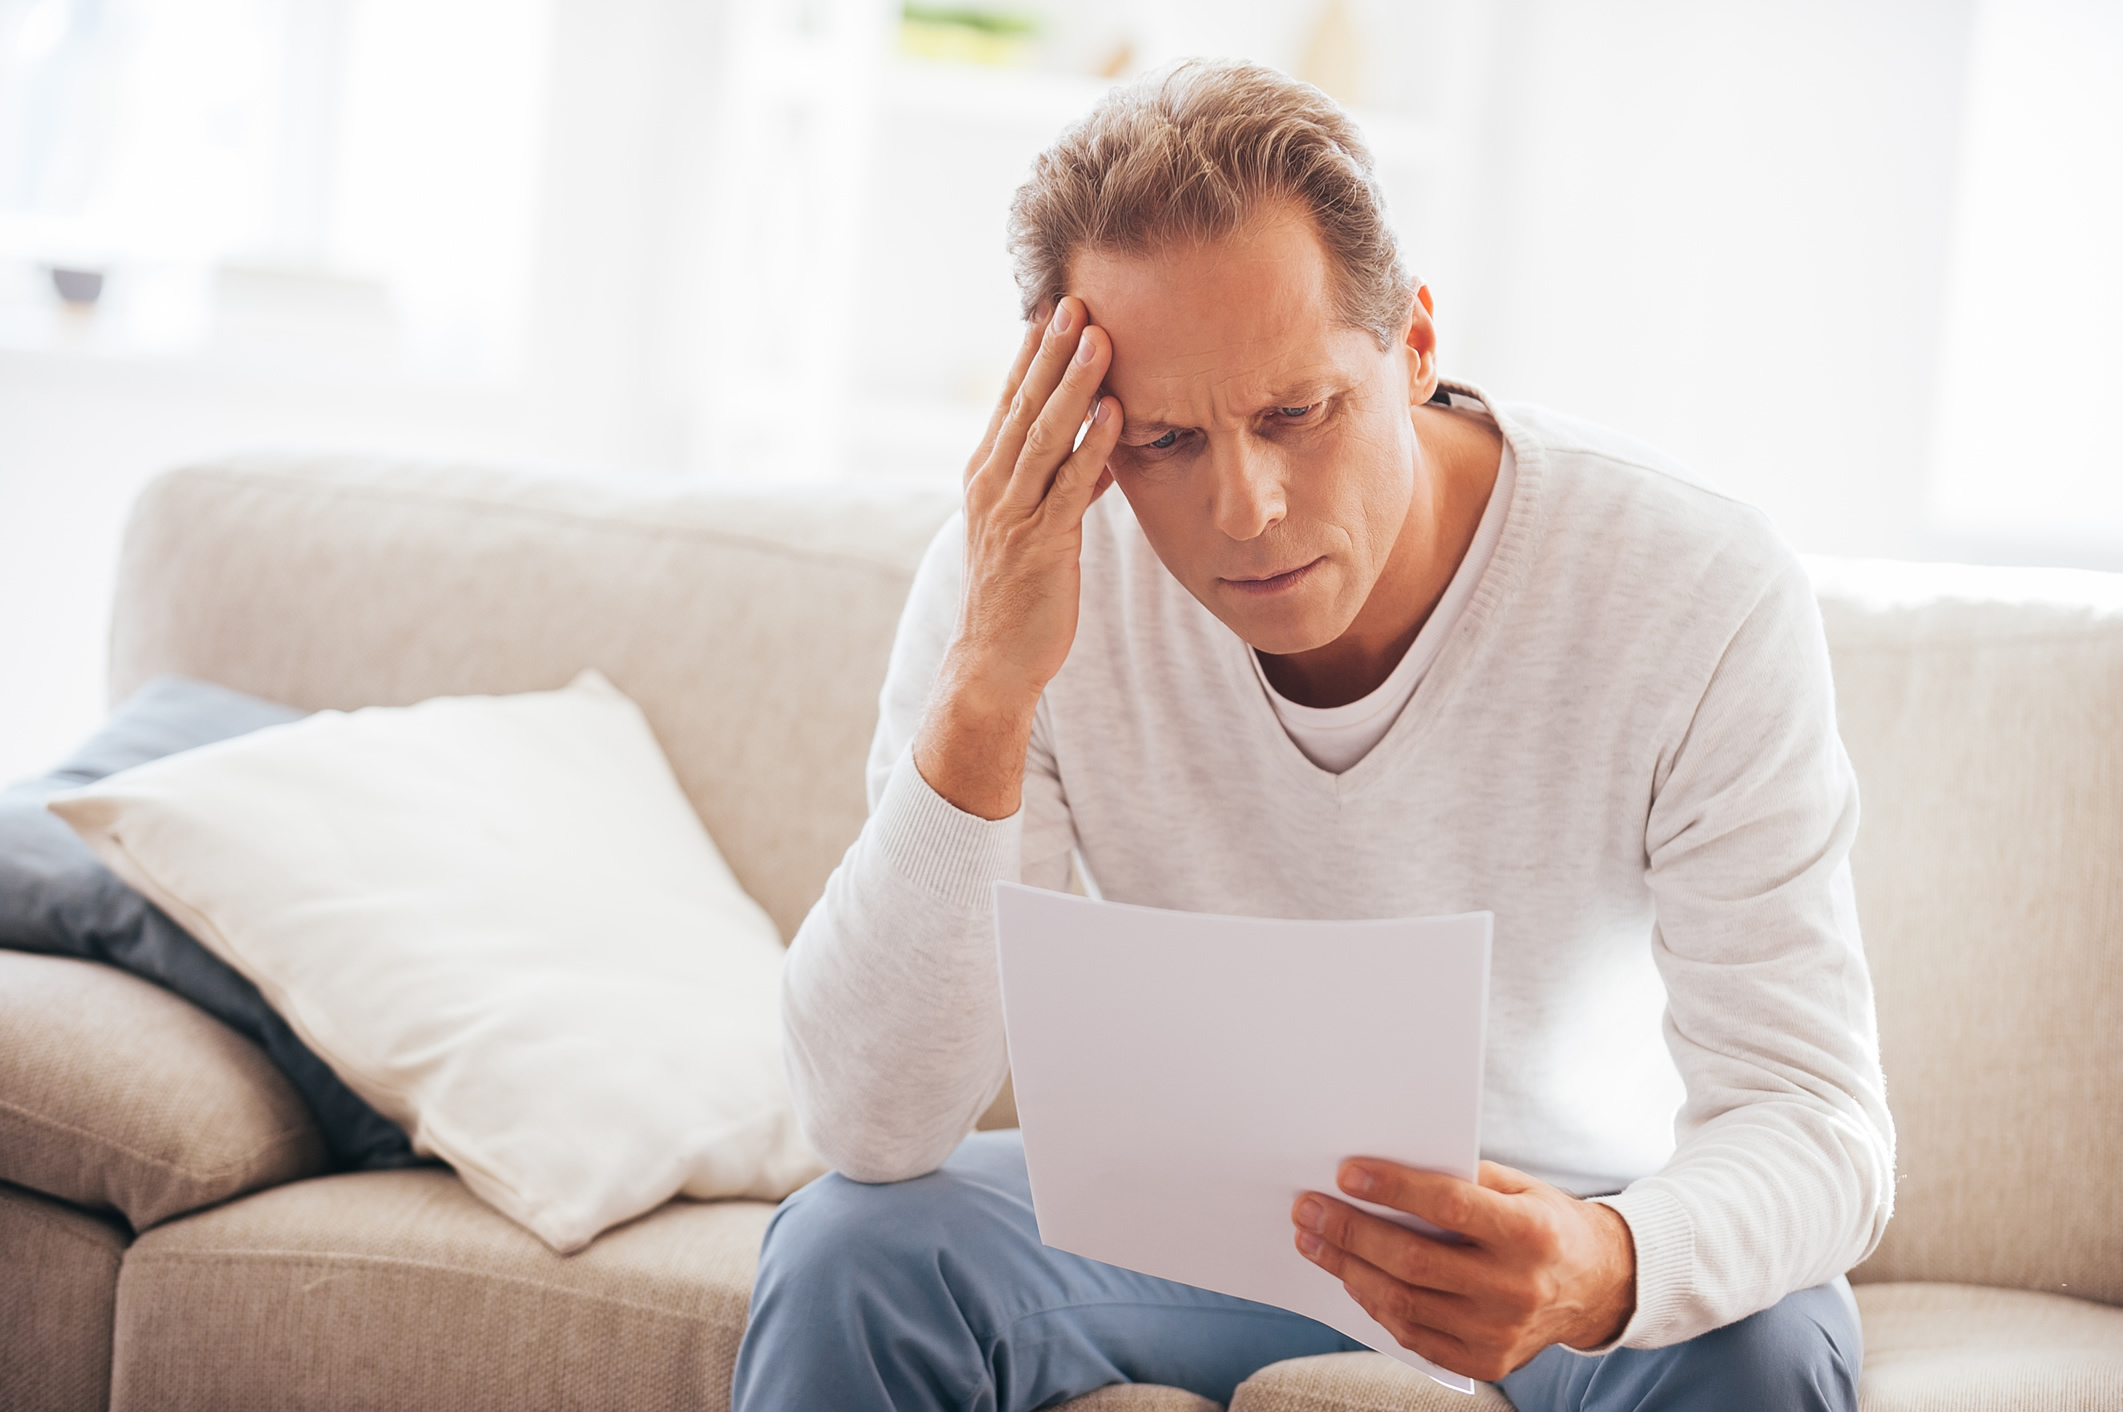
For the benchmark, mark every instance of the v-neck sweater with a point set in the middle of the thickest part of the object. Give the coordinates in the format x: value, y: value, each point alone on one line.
x: 1336, y: 737
x: 1626, y: 750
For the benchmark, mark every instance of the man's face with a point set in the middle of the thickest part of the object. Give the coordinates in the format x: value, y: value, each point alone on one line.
x: 1266, y: 446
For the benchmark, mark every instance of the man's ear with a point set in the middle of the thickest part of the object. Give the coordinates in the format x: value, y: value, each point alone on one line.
x: 1419, y: 340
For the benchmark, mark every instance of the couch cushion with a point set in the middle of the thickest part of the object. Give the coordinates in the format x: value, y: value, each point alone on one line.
x: 1964, y: 1348
x: 116, y: 1094
x: 1928, y: 1348
x: 1983, y: 709
x: 752, y: 627
x: 56, y: 897
x: 500, y: 922
x: 402, y: 1289
x: 56, y: 1300
x: 1140, y: 1397
x: 1356, y: 1382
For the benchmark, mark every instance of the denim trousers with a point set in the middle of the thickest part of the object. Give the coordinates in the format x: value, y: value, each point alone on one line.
x: 936, y: 1293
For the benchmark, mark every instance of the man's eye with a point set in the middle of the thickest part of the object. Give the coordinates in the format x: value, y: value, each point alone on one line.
x: 1295, y: 414
x: 1163, y: 443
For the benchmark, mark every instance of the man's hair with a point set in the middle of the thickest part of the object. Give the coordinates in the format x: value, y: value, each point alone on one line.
x: 1190, y: 154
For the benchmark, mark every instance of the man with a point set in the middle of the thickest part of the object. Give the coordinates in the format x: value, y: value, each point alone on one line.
x: 1350, y: 642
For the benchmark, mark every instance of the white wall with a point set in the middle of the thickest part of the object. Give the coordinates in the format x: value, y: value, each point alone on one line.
x: 2025, y: 442
x: 81, y: 429
x: 1722, y: 228
x: 1727, y: 229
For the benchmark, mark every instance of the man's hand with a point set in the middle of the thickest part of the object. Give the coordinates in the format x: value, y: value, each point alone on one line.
x: 1026, y: 494
x: 1534, y: 1267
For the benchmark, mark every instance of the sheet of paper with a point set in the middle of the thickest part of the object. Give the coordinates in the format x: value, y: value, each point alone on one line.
x: 1181, y: 1078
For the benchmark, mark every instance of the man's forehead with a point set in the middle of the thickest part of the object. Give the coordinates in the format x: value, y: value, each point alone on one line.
x: 1179, y: 374
x: 1245, y: 321
x: 1262, y: 283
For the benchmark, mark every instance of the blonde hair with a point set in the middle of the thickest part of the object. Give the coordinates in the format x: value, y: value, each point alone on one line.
x: 1191, y: 153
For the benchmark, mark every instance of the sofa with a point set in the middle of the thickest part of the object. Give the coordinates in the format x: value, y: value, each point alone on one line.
x: 169, y: 1234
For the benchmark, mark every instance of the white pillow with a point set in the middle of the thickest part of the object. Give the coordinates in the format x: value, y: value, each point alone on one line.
x: 501, y: 923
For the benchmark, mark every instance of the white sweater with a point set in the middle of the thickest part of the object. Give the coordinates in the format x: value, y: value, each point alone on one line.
x: 1336, y: 737
x: 1626, y: 750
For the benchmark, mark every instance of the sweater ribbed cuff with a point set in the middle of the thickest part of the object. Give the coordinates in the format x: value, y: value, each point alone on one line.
x: 938, y: 847
x: 1665, y: 1265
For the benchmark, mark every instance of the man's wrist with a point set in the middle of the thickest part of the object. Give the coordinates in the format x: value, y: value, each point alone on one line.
x: 973, y: 692
x: 1613, y: 1301
x: 972, y: 743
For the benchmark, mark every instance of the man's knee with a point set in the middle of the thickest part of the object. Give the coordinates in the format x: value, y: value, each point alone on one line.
x: 1802, y: 1353
x: 844, y: 1230
x: 851, y: 1307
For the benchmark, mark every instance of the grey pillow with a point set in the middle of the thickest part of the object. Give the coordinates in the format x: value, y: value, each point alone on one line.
x: 56, y: 897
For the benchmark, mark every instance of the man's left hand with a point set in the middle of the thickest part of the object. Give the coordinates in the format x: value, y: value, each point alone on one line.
x: 1534, y: 1265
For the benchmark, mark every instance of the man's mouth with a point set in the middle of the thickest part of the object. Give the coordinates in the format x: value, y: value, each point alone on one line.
x: 1282, y: 581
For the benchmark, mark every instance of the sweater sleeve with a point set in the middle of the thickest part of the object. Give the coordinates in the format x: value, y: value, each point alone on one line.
x: 891, y: 1007
x: 1783, y: 1173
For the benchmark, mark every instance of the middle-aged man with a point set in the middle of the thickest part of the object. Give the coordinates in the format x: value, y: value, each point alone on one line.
x: 1352, y: 641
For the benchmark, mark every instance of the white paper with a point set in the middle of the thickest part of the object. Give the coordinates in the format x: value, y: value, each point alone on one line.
x: 1181, y: 1078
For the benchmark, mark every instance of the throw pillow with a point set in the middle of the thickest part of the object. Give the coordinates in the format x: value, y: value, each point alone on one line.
x: 56, y: 897
x: 501, y: 922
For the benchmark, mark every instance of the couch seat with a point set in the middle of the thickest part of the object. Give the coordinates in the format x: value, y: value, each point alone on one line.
x: 1969, y: 1348
x: 1356, y: 1382
x: 1928, y: 1348
x: 402, y: 1289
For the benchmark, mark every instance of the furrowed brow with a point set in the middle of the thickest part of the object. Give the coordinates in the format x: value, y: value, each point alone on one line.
x: 1304, y: 394
x: 1147, y: 426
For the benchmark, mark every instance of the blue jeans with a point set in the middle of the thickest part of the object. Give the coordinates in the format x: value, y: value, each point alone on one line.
x: 936, y: 1294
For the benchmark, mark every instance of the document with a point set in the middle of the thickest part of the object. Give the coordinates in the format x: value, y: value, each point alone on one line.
x: 1181, y: 1078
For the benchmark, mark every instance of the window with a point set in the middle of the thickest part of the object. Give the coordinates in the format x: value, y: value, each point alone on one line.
x: 343, y: 180
x: 2026, y: 459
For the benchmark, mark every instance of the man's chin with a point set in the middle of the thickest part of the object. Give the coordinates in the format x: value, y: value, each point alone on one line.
x: 1282, y: 630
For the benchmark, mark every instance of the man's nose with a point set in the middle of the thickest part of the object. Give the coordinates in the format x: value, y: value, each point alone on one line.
x: 1249, y: 490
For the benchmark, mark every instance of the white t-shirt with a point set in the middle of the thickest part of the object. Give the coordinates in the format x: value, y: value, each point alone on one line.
x: 1336, y: 737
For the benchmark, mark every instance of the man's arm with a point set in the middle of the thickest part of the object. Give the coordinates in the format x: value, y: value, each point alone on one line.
x: 1783, y: 1177
x: 890, y: 1004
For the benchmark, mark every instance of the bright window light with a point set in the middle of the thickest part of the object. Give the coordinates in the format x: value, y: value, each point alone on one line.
x: 332, y: 179
x: 2025, y: 449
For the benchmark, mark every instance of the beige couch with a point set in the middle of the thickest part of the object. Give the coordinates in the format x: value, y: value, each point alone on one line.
x: 1984, y: 710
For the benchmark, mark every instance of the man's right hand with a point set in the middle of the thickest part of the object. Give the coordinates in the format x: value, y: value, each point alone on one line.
x: 1026, y: 494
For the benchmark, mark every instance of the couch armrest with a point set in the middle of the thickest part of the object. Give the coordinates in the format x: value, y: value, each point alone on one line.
x: 117, y: 1095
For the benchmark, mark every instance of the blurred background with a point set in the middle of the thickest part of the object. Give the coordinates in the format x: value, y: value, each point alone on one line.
x: 1855, y: 261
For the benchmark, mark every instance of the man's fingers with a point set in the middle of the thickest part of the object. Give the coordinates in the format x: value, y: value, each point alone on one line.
x: 1084, y: 477
x: 1027, y: 347
x: 1509, y: 1180
x: 1458, y: 1206
x: 1057, y: 346
x: 1048, y: 441
x: 1421, y: 1319
x: 1406, y: 1255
